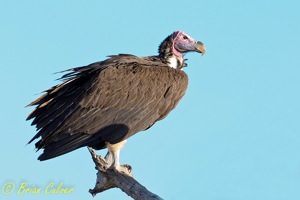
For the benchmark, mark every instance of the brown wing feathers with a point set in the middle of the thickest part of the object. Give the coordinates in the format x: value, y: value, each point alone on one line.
x: 105, y: 102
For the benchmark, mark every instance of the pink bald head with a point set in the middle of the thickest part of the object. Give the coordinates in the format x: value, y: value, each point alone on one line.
x: 183, y: 43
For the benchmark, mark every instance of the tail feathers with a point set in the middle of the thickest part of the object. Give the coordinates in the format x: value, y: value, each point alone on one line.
x: 67, y: 145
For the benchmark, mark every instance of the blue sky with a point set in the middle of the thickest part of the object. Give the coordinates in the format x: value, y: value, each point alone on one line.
x: 236, y: 133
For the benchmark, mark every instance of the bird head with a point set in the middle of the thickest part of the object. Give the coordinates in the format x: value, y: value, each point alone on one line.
x: 183, y: 43
x: 175, y: 46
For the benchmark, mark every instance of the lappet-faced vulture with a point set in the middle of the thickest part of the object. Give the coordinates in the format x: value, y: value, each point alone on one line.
x: 102, y: 104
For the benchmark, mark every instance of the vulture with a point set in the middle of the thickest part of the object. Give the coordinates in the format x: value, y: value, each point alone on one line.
x: 102, y: 104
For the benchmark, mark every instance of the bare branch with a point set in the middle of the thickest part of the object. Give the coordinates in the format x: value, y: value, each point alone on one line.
x: 108, y: 178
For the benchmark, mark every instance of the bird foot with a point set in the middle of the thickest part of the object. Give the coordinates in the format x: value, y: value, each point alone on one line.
x: 124, y: 169
x: 104, y: 164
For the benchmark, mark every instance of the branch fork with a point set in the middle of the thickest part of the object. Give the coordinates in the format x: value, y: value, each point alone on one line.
x: 122, y: 178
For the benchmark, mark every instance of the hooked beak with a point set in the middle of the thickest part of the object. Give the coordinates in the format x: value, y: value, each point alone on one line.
x: 200, y: 47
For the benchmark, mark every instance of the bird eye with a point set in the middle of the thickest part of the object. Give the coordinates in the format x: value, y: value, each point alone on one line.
x: 184, y: 37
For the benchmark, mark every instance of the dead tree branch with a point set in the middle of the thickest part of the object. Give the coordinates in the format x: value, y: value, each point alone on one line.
x: 108, y: 178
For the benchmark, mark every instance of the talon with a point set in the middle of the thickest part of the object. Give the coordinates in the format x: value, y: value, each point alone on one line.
x: 128, y: 167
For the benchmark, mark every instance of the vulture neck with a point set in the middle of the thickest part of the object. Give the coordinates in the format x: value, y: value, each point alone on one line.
x: 169, y: 55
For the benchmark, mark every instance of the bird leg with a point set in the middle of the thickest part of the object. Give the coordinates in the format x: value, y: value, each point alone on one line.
x: 113, y: 157
x: 109, y: 159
